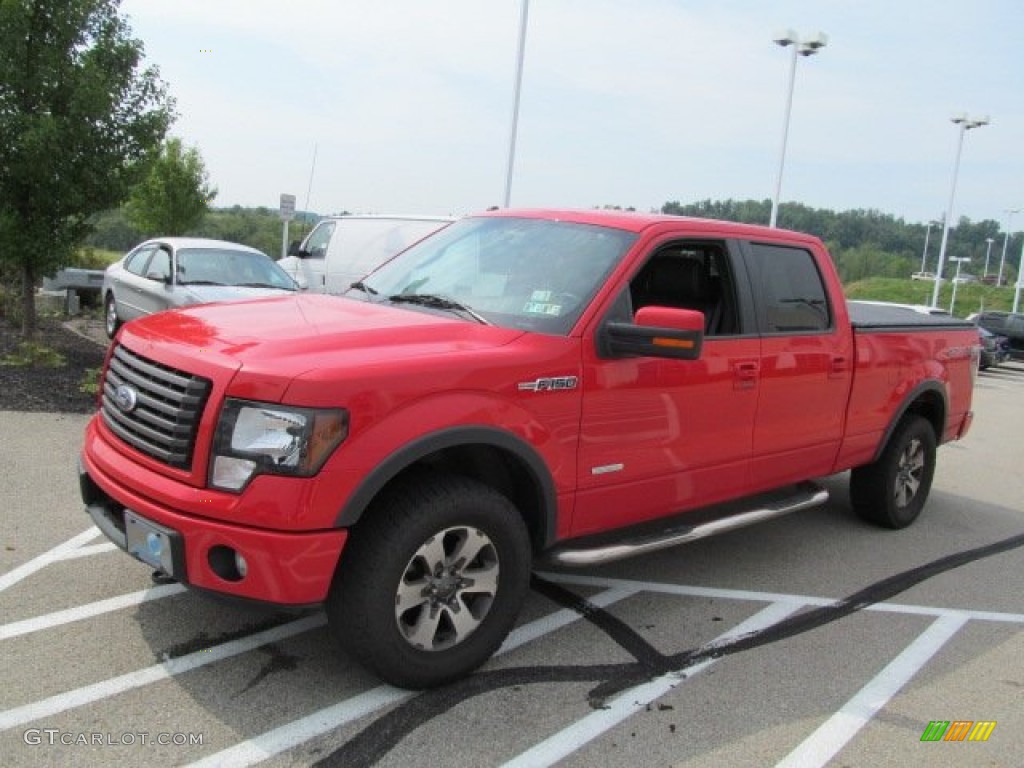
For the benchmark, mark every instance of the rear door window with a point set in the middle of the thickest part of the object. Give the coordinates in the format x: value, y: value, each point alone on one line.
x: 789, y: 290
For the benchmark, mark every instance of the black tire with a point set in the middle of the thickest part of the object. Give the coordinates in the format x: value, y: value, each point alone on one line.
x: 111, y: 322
x: 454, y: 620
x: 892, y: 491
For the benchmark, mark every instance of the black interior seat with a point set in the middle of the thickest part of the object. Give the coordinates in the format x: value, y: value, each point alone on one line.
x: 682, y: 283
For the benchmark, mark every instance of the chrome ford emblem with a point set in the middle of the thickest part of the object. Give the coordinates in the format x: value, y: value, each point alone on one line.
x: 126, y: 397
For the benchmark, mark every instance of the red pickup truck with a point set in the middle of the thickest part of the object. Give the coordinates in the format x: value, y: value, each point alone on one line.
x: 573, y: 386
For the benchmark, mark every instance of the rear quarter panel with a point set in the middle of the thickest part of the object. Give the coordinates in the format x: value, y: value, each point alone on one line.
x: 892, y: 367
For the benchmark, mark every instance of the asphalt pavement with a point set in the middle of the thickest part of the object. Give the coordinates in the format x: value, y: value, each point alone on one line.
x: 811, y: 640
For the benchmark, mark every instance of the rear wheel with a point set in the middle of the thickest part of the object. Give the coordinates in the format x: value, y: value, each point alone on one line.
x: 892, y: 491
x: 111, y: 321
x: 431, y: 581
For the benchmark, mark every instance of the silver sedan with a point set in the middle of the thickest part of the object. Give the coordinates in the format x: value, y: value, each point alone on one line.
x: 176, y: 271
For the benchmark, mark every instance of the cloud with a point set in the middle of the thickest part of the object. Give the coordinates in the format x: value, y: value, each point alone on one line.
x: 409, y: 102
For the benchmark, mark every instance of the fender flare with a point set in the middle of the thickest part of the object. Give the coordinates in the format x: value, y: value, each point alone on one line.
x: 925, y: 387
x: 452, y: 437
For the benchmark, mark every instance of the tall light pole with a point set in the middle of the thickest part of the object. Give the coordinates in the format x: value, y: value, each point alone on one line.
x: 988, y: 251
x: 924, y: 253
x: 807, y: 47
x: 1020, y: 276
x: 1006, y: 239
x: 520, y: 54
x: 956, y: 280
x: 965, y: 123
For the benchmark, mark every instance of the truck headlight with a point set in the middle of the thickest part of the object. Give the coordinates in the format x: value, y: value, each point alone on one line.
x: 256, y: 438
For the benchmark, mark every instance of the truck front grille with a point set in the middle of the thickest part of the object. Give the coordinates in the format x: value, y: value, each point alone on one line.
x: 153, y: 407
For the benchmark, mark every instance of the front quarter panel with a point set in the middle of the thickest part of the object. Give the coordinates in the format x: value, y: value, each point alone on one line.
x: 463, y: 391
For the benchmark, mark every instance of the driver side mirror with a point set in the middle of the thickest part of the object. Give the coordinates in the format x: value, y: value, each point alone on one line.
x: 655, y: 332
x: 295, y: 249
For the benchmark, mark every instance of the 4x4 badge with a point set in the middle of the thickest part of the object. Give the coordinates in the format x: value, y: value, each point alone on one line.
x: 548, y: 384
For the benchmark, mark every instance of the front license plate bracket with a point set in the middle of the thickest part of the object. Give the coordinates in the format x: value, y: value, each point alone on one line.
x: 155, y: 545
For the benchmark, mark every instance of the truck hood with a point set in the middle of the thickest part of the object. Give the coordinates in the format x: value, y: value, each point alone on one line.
x: 285, y: 336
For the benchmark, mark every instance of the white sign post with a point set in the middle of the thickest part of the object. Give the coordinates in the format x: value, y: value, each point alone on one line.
x: 287, y: 214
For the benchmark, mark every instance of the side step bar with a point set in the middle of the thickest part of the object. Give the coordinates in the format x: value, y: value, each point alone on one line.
x: 803, y: 496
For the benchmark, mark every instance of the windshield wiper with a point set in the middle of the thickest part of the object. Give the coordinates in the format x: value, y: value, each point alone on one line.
x: 200, y: 282
x: 438, y: 302
x: 359, y: 285
x: 257, y: 285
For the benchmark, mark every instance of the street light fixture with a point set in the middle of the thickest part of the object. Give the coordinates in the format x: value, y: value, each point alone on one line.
x: 1006, y: 239
x: 988, y: 251
x: 807, y: 47
x: 965, y: 123
x: 956, y: 279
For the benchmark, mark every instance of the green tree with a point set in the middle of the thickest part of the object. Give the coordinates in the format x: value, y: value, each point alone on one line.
x: 79, y: 118
x: 175, y: 195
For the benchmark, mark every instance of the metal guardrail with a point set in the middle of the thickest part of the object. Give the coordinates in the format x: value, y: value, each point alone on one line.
x: 76, y: 279
x: 71, y: 281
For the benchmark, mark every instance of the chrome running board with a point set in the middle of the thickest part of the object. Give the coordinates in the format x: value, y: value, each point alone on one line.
x: 803, y: 496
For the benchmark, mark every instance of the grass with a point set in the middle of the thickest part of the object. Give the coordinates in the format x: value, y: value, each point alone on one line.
x: 32, y: 354
x: 90, y: 382
x: 970, y: 297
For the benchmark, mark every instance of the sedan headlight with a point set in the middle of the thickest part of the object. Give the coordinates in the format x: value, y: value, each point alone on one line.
x: 256, y: 438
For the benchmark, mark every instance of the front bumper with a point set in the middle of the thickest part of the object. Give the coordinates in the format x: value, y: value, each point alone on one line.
x: 282, y: 567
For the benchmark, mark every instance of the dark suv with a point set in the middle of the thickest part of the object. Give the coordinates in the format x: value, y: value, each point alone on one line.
x: 1008, y: 324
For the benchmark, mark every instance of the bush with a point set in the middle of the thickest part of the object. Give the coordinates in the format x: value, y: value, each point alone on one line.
x: 88, y: 257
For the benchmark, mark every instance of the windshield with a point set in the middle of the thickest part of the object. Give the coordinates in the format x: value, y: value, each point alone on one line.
x: 518, y: 273
x: 213, y: 266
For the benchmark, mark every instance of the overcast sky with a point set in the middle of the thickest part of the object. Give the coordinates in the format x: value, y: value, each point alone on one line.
x: 408, y: 102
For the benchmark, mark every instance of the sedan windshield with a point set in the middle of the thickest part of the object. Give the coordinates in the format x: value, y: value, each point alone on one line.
x: 215, y: 266
x: 518, y: 273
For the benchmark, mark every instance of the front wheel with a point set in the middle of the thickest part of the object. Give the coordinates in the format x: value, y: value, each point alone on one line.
x: 892, y: 491
x: 111, y: 321
x: 431, y: 580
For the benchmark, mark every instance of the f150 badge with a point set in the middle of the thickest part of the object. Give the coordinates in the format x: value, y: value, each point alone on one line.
x: 548, y: 384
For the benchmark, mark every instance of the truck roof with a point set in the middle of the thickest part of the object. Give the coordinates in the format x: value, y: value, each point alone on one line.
x: 633, y: 221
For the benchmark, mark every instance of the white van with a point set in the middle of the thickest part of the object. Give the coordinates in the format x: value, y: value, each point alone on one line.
x: 343, y: 249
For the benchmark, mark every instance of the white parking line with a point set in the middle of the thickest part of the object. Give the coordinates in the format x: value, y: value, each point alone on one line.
x: 824, y: 744
x: 115, y: 685
x: 24, y: 570
x: 277, y: 740
x: 636, y: 699
x: 87, y: 611
x: 775, y: 597
x: 92, y: 549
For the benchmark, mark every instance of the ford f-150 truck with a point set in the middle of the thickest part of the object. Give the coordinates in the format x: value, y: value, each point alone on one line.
x: 572, y: 386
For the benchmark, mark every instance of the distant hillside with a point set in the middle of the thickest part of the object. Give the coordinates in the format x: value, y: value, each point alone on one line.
x: 869, y: 243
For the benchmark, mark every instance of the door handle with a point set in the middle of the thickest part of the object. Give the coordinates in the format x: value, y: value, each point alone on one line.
x: 745, y: 375
x: 838, y: 368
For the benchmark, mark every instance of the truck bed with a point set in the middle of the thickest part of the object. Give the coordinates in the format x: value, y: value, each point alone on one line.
x: 872, y: 316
